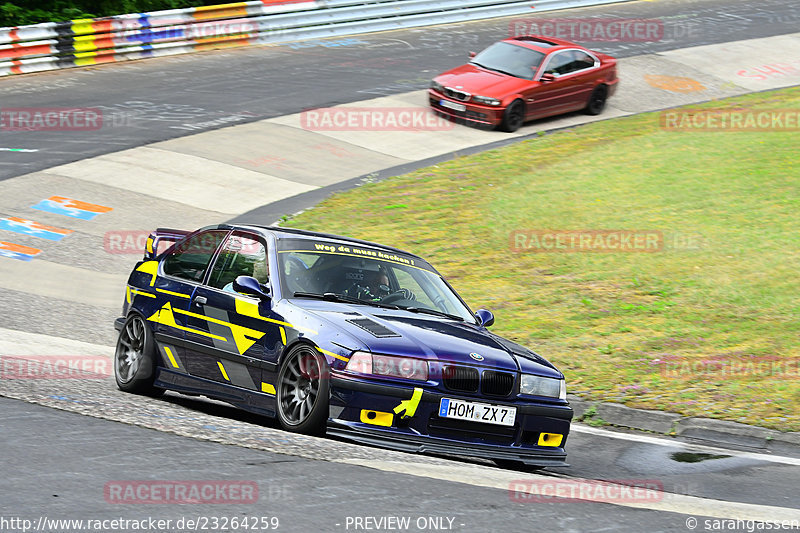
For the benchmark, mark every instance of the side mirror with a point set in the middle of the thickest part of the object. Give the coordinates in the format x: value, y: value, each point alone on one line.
x: 249, y: 285
x: 547, y: 76
x: 472, y: 54
x: 485, y: 317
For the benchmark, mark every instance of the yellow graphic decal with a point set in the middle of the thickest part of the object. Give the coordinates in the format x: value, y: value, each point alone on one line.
x: 149, y: 245
x: 149, y: 267
x: 165, y: 291
x: 131, y: 290
x: 377, y: 418
x: 266, y: 387
x: 409, y: 406
x: 242, y: 336
x: 165, y: 316
x: 222, y: 369
x: 550, y: 439
x: 248, y: 308
x: 283, y: 335
x: 334, y: 355
x: 171, y: 357
x: 128, y: 294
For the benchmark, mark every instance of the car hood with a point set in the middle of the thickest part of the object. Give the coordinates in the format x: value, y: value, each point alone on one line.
x: 475, y: 80
x: 387, y: 331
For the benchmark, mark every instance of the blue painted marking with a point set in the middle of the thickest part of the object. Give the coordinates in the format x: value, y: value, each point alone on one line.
x: 17, y: 227
x: 15, y: 255
x: 54, y: 207
x: 443, y: 407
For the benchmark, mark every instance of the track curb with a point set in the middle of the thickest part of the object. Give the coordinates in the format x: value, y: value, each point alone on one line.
x: 708, y: 430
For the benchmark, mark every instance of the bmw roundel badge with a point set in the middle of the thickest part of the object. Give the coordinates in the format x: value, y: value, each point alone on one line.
x: 476, y: 356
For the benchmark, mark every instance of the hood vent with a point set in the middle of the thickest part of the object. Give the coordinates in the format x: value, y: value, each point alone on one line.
x: 373, y: 327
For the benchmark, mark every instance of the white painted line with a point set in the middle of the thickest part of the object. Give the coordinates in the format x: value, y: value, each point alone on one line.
x: 182, y: 178
x: 18, y: 150
x: 503, y: 479
x: 21, y: 343
x: 64, y: 282
x: 645, y: 439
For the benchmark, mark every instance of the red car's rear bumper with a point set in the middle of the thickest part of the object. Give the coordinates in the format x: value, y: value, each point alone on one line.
x: 486, y: 116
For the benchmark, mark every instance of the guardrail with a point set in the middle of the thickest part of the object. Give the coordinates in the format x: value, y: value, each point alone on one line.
x: 55, y: 45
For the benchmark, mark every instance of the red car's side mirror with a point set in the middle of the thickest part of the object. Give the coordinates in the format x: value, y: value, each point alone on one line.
x: 472, y: 54
x: 548, y: 76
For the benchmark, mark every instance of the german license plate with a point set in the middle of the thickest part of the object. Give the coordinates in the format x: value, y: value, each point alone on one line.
x: 502, y: 415
x: 452, y: 105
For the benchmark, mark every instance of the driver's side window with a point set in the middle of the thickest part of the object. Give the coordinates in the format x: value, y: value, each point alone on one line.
x: 559, y: 63
x: 189, y: 259
x: 242, y: 255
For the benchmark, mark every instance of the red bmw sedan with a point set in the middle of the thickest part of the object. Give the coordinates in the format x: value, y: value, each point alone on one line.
x: 525, y: 78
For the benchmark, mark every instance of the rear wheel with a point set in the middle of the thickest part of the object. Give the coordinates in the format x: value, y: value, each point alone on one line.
x: 514, y: 117
x: 135, y: 358
x: 597, y: 100
x: 302, y: 392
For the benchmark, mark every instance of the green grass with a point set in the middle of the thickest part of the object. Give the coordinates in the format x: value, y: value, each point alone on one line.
x: 611, y: 320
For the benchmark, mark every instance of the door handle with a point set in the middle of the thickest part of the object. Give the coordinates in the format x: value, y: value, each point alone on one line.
x: 200, y: 300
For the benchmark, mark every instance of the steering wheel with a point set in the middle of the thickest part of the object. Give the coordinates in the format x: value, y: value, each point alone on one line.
x: 402, y: 294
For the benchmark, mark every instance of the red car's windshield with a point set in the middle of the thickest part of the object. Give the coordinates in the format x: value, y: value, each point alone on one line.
x: 510, y: 59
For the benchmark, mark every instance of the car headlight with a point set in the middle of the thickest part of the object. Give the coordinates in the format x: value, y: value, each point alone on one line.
x: 436, y: 86
x: 485, y: 100
x: 539, y: 386
x: 388, y: 365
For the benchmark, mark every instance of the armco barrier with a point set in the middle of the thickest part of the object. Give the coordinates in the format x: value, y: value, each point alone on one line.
x: 55, y: 45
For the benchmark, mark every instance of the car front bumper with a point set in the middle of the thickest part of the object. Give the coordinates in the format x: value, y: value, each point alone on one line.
x: 479, y: 115
x: 426, y: 432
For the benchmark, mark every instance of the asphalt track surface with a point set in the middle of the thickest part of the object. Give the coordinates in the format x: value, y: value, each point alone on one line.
x: 159, y: 99
x: 57, y: 463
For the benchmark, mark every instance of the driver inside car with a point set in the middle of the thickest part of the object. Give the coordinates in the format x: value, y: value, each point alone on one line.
x: 375, y: 286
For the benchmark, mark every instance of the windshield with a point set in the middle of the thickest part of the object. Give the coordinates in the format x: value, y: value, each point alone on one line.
x: 344, y: 272
x: 510, y: 59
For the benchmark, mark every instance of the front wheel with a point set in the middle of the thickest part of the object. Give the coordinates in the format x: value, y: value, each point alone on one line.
x: 597, y: 100
x: 514, y: 117
x: 303, y: 390
x: 135, y: 358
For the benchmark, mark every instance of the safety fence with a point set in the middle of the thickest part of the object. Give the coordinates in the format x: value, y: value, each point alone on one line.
x: 55, y: 45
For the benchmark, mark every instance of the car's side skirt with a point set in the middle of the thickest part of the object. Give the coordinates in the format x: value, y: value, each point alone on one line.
x: 249, y: 400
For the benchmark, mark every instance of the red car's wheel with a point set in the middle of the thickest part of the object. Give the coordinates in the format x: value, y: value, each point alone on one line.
x: 597, y: 100
x: 514, y: 116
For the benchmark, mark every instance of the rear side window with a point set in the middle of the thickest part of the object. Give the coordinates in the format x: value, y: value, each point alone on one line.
x: 569, y: 61
x: 189, y: 259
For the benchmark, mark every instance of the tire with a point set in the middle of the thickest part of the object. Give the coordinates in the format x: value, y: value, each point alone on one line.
x: 514, y: 117
x: 303, y: 391
x: 135, y: 358
x: 510, y: 464
x: 597, y: 100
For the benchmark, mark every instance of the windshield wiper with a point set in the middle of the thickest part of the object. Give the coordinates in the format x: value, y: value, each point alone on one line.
x: 428, y: 311
x: 495, y: 69
x: 333, y: 297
